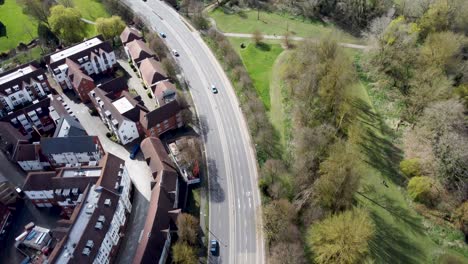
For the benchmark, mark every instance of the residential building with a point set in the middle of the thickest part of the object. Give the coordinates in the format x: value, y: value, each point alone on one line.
x: 71, y: 67
x: 152, y: 72
x: 130, y: 34
x: 156, y: 238
x: 58, y: 108
x: 72, y: 151
x: 137, y: 51
x: 32, y: 119
x: 8, y: 193
x: 162, y: 119
x: 30, y: 158
x: 119, y: 110
x: 100, y: 201
x: 69, y: 127
x: 22, y: 86
x: 164, y: 92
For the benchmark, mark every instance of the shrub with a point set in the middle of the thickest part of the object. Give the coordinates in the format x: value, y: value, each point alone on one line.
x: 108, y: 134
x: 410, y: 167
x: 149, y: 94
x: 461, y: 218
x: 420, y: 189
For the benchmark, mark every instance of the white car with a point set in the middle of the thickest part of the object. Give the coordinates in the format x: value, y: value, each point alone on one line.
x: 175, y: 53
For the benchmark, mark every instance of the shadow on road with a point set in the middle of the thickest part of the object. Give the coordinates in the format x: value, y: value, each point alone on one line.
x: 217, y: 194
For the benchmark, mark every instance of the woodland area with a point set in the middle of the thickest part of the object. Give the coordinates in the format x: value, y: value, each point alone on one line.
x: 413, y: 132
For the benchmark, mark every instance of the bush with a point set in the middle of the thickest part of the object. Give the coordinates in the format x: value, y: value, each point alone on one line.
x: 108, y: 135
x: 92, y: 112
x: 420, y: 189
x: 461, y: 218
x: 201, y: 23
x: 410, y: 167
x: 149, y: 94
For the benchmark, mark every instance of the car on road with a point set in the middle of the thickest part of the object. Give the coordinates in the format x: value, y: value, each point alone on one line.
x: 175, y: 53
x: 214, y: 89
x: 134, y: 151
x: 214, y: 246
x: 162, y: 34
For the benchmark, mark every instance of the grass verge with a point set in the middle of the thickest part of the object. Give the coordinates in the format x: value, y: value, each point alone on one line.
x: 91, y: 9
x: 273, y: 23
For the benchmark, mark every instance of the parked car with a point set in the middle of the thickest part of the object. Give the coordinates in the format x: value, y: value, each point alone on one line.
x: 134, y: 151
x: 214, y: 89
x: 175, y: 53
x: 162, y: 34
x: 214, y: 246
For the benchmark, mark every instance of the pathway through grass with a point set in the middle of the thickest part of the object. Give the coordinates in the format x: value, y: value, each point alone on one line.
x: 273, y: 23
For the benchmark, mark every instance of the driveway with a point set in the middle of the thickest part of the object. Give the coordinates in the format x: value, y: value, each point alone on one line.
x: 135, y: 83
x: 139, y: 171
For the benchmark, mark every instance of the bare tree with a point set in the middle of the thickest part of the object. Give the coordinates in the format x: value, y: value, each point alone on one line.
x: 257, y: 37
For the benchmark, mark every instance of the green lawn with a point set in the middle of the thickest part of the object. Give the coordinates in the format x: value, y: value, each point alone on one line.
x: 272, y: 23
x: 91, y: 9
x: 19, y: 27
x: 259, y: 61
x: 23, y: 57
x: 402, y: 234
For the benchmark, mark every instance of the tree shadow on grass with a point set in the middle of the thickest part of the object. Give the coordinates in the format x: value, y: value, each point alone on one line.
x: 380, y: 153
x: 3, y: 31
x: 390, y: 245
x: 263, y: 46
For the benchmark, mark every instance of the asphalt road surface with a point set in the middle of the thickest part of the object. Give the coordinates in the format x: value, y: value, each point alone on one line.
x: 234, y: 195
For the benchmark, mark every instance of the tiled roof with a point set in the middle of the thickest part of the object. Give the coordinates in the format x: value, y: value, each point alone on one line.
x: 76, y: 74
x: 152, y: 71
x: 138, y: 50
x: 164, y: 92
x: 68, y: 144
x: 129, y: 34
x: 158, y: 115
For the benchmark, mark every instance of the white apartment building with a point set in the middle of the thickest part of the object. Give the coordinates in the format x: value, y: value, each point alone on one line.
x: 94, y: 56
x: 21, y: 86
x: 72, y: 151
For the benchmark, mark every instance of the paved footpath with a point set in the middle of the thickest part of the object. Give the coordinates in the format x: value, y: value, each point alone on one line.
x: 243, y: 35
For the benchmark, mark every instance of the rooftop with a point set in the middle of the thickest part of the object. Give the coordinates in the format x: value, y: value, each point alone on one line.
x: 123, y: 105
x: 86, y: 172
x: 75, y: 49
x: 16, y: 74
x: 79, y: 225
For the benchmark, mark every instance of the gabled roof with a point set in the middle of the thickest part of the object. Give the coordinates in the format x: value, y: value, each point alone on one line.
x: 138, y: 50
x: 130, y: 34
x: 152, y: 71
x: 76, y: 74
x: 69, y: 127
x: 156, y: 156
x: 68, y: 144
x: 158, y: 115
x: 164, y: 92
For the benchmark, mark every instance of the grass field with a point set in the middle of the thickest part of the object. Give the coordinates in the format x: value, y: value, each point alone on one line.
x: 19, y: 27
x: 272, y: 23
x: 259, y: 61
x: 90, y: 9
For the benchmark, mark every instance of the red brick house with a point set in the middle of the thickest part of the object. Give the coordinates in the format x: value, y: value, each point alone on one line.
x: 80, y: 81
x: 162, y: 119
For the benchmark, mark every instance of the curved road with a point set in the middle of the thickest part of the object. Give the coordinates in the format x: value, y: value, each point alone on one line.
x: 234, y: 198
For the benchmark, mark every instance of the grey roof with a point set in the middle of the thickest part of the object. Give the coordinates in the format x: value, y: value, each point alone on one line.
x: 74, y: 127
x: 68, y: 144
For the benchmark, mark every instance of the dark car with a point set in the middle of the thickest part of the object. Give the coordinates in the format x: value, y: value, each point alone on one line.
x: 134, y: 151
x: 214, y: 246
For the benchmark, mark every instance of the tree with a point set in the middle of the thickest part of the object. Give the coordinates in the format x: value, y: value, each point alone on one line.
x: 341, y: 238
x: 461, y: 218
x: 110, y: 27
x: 339, y: 177
x: 410, y: 167
x: 38, y: 9
x: 436, y: 18
x: 66, y: 23
x: 443, y: 50
x: 257, y: 37
x: 187, y: 228
x: 46, y: 36
x: 157, y: 45
x: 183, y: 253
x: 421, y: 189
x: 275, y: 180
x: 278, y: 217
x: 286, y: 253
x: 170, y: 68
